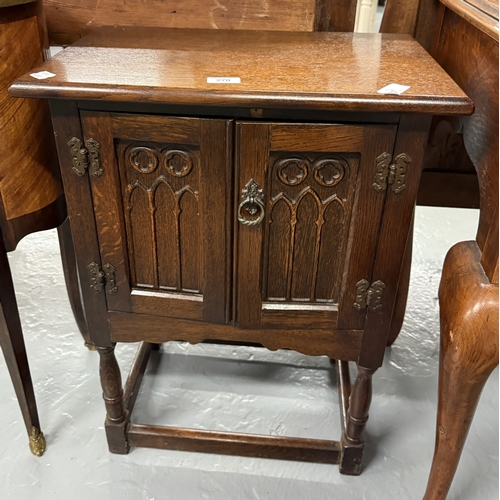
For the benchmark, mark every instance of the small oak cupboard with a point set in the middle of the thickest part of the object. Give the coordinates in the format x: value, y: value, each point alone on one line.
x: 271, y: 207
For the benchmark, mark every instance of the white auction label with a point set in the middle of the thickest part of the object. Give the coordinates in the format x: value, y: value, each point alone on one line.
x: 393, y: 88
x: 41, y: 75
x: 223, y: 79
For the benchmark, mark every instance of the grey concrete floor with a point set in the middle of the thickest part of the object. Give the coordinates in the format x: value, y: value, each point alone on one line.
x: 239, y: 389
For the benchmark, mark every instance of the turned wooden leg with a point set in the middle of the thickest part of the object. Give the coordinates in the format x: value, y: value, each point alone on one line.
x: 112, y: 393
x: 14, y: 351
x: 357, y: 416
x: 469, y: 353
x: 72, y: 281
x: 398, y: 314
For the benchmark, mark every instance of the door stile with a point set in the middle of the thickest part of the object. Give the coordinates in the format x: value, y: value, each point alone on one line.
x: 66, y: 121
x: 365, y: 224
x: 398, y: 214
x: 252, y: 152
x: 216, y: 154
x: 108, y: 207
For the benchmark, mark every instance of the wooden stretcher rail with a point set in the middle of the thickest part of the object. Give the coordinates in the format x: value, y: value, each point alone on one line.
x: 229, y: 443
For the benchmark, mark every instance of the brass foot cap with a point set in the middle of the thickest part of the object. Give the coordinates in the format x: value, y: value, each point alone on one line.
x: 37, y: 442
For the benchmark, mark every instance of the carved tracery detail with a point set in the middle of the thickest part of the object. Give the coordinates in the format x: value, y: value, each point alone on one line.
x: 308, y: 205
x: 162, y: 216
x: 179, y: 162
x: 330, y: 171
x: 142, y: 158
x: 293, y: 171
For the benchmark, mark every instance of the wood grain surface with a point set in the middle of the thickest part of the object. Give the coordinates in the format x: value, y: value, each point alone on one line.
x: 391, y: 240
x: 80, y: 211
x: 482, y: 14
x: 69, y: 20
x: 469, y: 353
x: 341, y: 71
x: 29, y: 180
x: 158, y: 212
x: 489, y: 7
x: 400, y: 16
x: 184, y: 177
x: 335, y: 15
x: 130, y: 327
x: 233, y: 443
x: 474, y: 66
x: 468, y: 293
x: 13, y: 347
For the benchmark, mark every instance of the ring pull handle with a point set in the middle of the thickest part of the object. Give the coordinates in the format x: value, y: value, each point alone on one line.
x: 252, y: 200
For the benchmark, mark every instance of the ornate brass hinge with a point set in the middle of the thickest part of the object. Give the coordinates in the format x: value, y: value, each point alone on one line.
x: 391, y: 174
x: 85, y: 157
x: 369, y: 296
x: 102, y: 278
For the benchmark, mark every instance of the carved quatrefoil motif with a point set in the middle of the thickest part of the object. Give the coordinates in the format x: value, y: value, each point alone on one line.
x: 143, y: 158
x: 329, y: 171
x: 293, y: 171
x: 178, y: 162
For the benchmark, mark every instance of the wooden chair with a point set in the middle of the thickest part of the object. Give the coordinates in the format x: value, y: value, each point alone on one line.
x: 459, y: 35
x: 466, y: 45
x: 31, y: 197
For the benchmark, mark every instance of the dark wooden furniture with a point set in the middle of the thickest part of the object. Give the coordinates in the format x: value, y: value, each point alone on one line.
x: 30, y: 189
x: 467, y: 47
x: 274, y: 211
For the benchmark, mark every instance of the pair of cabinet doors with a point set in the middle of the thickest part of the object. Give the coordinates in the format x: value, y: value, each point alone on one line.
x: 256, y: 224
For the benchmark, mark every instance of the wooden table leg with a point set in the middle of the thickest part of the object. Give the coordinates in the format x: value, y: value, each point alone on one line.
x: 469, y: 353
x: 357, y: 415
x: 14, y: 350
x: 112, y: 393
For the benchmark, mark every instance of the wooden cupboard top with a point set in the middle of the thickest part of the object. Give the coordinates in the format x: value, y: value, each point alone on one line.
x: 318, y: 70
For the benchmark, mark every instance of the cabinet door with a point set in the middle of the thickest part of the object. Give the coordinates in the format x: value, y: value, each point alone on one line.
x: 308, y: 220
x: 162, y: 212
